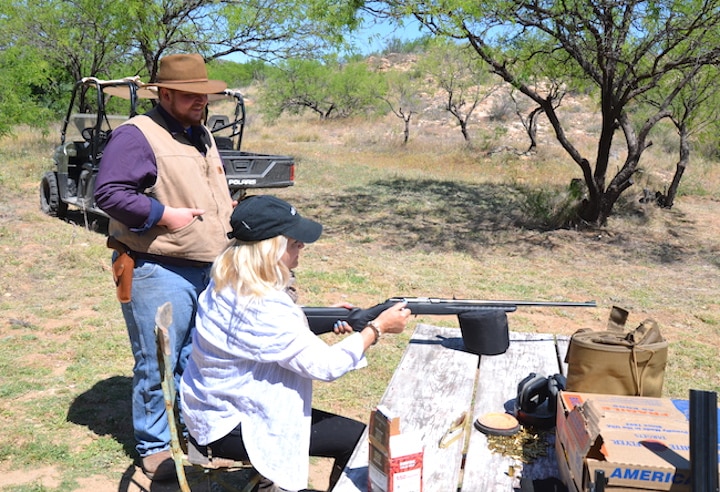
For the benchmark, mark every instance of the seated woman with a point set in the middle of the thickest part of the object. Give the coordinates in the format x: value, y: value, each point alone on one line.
x: 246, y: 393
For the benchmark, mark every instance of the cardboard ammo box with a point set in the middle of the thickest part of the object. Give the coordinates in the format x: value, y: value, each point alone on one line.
x: 640, y: 443
x: 395, y: 459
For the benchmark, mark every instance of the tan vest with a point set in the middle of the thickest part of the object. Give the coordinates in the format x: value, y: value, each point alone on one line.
x: 185, y: 178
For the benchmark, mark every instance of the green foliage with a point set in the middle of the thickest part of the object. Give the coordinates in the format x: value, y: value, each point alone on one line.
x: 81, y: 38
x: 61, y: 42
x: 461, y: 74
x: 398, y: 45
x: 553, y: 207
x: 294, y: 86
x: 707, y: 143
x: 50, y: 45
x: 355, y: 89
x: 337, y: 16
x: 402, y: 90
x: 26, y: 81
x: 237, y: 74
x: 330, y: 89
x: 453, y: 66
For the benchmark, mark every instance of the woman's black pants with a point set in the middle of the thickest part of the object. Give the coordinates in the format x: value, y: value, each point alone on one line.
x: 331, y: 436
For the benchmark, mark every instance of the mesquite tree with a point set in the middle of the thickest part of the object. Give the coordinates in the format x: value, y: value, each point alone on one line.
x: 463, y: 78
x: 623, y: 49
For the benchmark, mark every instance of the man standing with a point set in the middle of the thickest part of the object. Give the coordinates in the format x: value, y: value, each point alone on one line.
x: 162, y: 182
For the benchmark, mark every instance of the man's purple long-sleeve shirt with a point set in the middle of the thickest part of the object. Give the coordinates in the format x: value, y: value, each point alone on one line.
x: 127, y: 169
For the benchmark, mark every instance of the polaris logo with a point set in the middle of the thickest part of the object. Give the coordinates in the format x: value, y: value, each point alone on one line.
x: 241, y: 182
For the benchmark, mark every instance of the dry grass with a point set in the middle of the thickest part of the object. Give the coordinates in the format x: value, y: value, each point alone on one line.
x: 434, y: 218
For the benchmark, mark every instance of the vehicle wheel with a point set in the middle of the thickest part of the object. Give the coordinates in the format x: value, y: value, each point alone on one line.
x: 50, y: 202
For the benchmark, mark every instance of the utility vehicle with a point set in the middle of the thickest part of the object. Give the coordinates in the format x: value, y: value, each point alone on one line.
x: 99, y: 106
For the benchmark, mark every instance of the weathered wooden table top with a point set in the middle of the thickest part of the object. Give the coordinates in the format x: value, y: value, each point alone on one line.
x: 436, y: 381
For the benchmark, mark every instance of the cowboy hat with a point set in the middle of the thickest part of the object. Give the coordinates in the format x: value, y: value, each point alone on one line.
x: 187, y: 73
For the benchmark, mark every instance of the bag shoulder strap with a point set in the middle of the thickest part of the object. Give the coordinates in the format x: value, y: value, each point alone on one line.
x: 616, y: 321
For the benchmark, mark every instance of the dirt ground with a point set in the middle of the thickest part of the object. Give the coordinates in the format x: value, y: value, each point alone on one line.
x: 689, y: 231
x: 677, y: 257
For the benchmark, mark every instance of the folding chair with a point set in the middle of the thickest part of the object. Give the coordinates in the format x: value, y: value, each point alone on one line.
x: 215, y: 470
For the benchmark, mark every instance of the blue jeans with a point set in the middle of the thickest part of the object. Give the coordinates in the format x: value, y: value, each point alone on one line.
x: 153, y: 285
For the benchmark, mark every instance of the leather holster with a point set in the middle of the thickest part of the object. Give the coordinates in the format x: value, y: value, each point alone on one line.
x: 122, y: 269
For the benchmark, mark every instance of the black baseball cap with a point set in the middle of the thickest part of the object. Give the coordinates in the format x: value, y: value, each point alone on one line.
x: 261, y: 217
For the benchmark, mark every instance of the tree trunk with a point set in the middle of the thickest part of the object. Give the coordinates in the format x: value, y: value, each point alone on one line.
x: 669, y: 200
x: 406, y: 131
x: 532, y: 128
x: 463, y: 129
x: 589, y: 210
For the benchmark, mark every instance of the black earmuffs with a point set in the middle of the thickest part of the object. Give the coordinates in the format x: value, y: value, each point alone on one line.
x: 536, y: 400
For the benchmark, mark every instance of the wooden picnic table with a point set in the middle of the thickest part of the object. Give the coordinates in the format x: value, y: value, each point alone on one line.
x: 436, y: 381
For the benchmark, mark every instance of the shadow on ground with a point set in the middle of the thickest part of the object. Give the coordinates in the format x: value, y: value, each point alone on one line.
x: 424, y: 214
x: 437, y: 216
x: 88, y: 221
x: 133, y: 480
x: 106, y: 410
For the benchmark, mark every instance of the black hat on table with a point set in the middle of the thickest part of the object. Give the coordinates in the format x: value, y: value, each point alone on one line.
x: 261, y: 217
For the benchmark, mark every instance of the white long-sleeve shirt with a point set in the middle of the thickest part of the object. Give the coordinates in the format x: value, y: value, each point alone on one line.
x: 253, y: 362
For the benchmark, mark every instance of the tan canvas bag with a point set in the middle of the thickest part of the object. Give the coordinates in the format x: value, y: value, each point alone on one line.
x: 617, y: 362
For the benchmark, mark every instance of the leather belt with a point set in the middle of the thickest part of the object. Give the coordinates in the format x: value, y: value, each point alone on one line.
x: 171, y: 260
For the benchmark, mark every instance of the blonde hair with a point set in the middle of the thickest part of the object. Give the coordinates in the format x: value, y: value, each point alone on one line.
x: 252, y: 268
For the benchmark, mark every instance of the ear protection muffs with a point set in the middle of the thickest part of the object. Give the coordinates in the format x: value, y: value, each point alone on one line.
x: 536, y: 400
x: 532, y: 392
x: 556, y: 383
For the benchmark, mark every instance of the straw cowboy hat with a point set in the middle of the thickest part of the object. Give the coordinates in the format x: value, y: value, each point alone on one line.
x: 187, y: 73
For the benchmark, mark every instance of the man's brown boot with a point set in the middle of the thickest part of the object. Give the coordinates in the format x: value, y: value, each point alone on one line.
x: 159, y: 466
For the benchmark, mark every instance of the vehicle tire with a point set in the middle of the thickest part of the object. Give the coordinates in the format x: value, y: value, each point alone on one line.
x: 50, y: 202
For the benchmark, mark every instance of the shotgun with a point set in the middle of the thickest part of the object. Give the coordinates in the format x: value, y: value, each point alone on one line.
x: 322, y: 319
